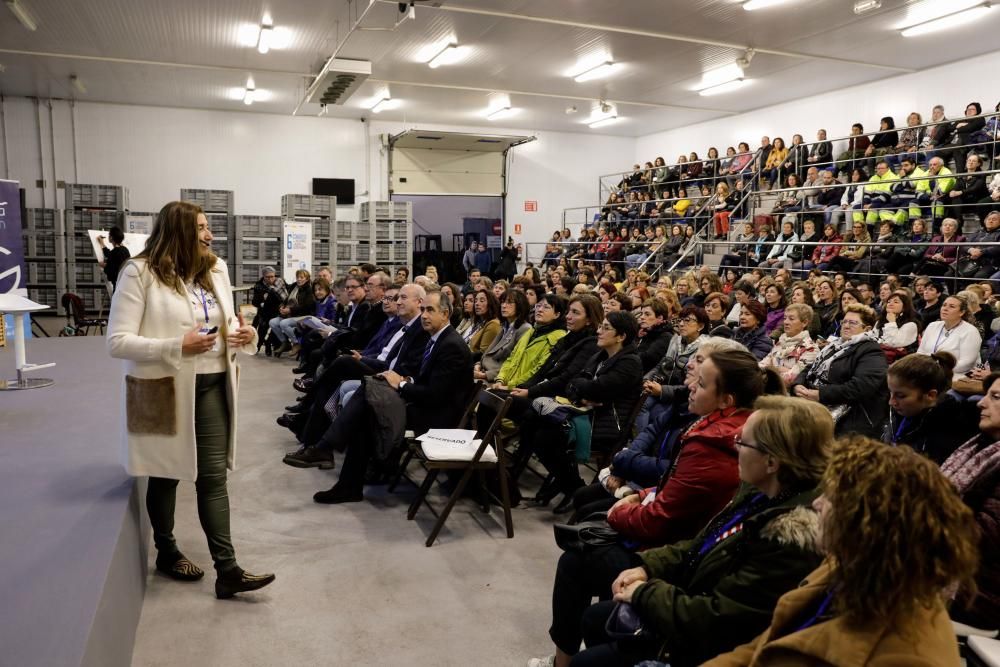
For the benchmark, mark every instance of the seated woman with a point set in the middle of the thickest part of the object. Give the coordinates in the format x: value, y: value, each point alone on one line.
x: 822, y: 255
x: 939, y: 258
x: 700, y: 483
x: 795, y: 349
x: 464, y: 327
x: 852, y: 254
x: 790, y: 200
x: 533, y: 348
x: 609, y: 387
x: 513, y: 324
x: 802, y: 293
x: 716, y: 305
x: 827, y: 305
x: 722, y: 209
x: 848, y: 376
x: 771, y: 173
x: 486, y: 322
x: 750, y: 331
x: 774, y: 302
x: 714, y: 592
x: 922, y: 413
x: 655, y: 332
x: 955, y: 334
x: 899, y: 325
x: 876, y: 600
x: 740, y: 249
x: 972, y: 468
x: 904, y: 258
x: 299, y: 303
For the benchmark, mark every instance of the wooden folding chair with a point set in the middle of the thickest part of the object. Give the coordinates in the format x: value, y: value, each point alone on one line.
x: 602, y: 458
x: 489, y: 435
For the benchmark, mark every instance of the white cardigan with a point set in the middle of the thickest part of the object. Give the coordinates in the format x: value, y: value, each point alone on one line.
x: 964, y: 342
x: 146, y: 328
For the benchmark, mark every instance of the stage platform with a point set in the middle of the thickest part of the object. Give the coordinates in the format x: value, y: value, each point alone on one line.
x: 73, y: 539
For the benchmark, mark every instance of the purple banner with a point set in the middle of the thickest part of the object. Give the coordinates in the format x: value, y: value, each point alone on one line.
x: 13, y: 270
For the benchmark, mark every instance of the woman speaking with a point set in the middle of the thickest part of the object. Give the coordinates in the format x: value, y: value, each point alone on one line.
x: 173, y: 323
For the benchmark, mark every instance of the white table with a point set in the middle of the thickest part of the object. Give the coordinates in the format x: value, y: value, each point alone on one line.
x: 18, y: 306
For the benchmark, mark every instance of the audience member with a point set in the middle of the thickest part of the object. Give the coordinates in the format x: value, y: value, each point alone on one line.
x: 953, y: 333
x: 513, y: 324
x: 795, y: 348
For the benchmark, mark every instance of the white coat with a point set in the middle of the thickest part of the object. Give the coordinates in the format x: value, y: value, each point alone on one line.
x: 146, y: 328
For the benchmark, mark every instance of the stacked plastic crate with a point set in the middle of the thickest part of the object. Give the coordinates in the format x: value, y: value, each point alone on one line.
x: 321, y: 211
x: 98, y: 207
x: 44, y: 239
x: 391, y: 227
x: 219, y: 207
x: 257, y: 244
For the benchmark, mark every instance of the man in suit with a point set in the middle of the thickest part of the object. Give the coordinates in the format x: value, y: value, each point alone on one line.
x: 434, y: 399
x: 402, y: 352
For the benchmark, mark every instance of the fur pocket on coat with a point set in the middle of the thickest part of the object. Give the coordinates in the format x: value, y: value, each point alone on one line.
x: 150, y: 406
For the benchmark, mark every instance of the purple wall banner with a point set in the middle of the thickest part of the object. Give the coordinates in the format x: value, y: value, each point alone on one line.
x: 13, y: 270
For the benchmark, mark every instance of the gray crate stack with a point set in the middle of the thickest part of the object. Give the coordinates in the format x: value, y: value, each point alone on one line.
x: 44, y: 239
x: 257, y: 243
x: 321, y: 211
x: 390, y: 225
x: 99, y: 207
x: 219, y: 207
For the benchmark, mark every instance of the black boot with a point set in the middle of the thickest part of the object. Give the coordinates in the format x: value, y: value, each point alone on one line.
x: 236, y: 580
x: 176, y: 566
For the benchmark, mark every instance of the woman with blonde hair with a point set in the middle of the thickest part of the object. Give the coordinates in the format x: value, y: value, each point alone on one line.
x: 172, y: 321
x: 795, y: 349
x: 878, y: 598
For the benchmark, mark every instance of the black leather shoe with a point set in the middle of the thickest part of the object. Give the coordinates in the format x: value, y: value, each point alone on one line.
x: 299, y: 370
x: 290, y: 422
x: 302, y: 384
x: 565, y: 505
x: 311, y: 457
x: 177, y: 566
x: 236, y: 580
x: 337, y: 495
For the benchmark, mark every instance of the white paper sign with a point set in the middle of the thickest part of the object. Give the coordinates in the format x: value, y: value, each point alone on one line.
x: 134, y: 242
x: 296, y: 248
x: 453, y: 444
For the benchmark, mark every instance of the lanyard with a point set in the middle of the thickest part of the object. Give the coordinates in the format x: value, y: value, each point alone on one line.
x: 946, y: 332
x: 827, y: 599
x: 204, y: 302
x: 899, y: 431
x: 731, y: 525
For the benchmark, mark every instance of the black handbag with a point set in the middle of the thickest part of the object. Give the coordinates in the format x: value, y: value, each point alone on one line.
x: 589, y: 534
x: 624, y: 622
x: 967, y: 267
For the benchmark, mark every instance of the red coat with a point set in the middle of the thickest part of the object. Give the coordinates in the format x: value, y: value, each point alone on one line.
x: 698, y: 486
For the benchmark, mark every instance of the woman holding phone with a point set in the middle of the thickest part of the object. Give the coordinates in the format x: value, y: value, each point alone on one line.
x: 173, y: 322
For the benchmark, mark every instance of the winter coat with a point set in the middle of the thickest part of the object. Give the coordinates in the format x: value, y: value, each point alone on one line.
x: 928, y: 642
x: 530, y: 352
x: 937, y: 431
x: 672, y: 366
x: 775, y: 320
x: 146, y: 328
x: 824, y: 253
x: 755, y: 340
x: 482, y: 339
x: 857, y: 379
x: 790, y: 355
x: 569, y: 356
x: 702, y: 606
x: 501, y: 348
x: 653, y: 345
x: 300, y: 301
x: 647, y: 457
x: 614, y: 383
x: 702, y: 479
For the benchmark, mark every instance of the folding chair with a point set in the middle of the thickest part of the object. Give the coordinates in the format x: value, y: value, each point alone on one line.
x: 978, y: 647
x: 489, y: 438
x: 81, y: 324
x: 602, y: 457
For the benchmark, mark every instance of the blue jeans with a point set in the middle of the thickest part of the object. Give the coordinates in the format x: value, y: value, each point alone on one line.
x: 283, y: 328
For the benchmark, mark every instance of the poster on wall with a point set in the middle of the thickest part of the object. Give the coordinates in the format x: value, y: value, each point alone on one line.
x: 138, y: 224
x: 296, y: 248
x: 13, y: 270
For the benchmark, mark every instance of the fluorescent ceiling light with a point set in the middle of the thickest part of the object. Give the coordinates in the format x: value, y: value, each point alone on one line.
x: 596, y: 72
x: 21, y: 12
x: 500, y: 112
x: 720, y: 75
x: 948, y: 21
x: 862, y: 6
x: 721, y: 88
x: 80, y: 88
x: 382, y: 105
x: 265, y: 38
x: 248, y: 96
x: 601, y: 122
x: 751, y: 5
x: 445, y: 56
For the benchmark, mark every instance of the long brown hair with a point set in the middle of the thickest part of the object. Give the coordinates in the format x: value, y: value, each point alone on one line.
x: 173, y: 251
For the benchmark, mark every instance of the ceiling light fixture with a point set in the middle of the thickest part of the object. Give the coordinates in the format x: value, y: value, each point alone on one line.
x: 726, y: 87
x: 947, y: 21
x: 862, y: 6
x: 250, y: 92
x: 75, y: 80
x: 381, y: 105
x: 601, y: 122
x: 500, y: 112
x: 751, y: 5
x: 323, y: 110
x: 445, y: 56
x: 22, y: 14
x: 596, y: 72
x: 265, y: 38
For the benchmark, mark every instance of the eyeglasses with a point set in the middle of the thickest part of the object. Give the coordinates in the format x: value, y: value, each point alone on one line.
x: 740, y: 444
x: 606, y: 327
x: 689, y: 320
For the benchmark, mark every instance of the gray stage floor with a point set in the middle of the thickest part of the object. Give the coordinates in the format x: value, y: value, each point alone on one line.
x: 355, y: 584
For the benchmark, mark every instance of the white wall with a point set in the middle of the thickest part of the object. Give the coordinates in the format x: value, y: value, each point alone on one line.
x: 954, y: 86
x: 157, y: 151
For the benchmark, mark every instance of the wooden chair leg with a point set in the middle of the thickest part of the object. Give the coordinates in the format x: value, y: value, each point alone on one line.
x: 421, y: 493
x: 456, y: 494
x: 484, y: 494
x: 402, y: 471
x: 505, y: 498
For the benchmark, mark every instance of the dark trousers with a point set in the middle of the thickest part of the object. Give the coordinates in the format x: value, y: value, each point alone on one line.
x: 343, y: 368
x: 551, y: 446
x: 351, y: 430
x: 602, y: 650
x: 211, y: 425
x: 590, y: 499
x: 580, y: 578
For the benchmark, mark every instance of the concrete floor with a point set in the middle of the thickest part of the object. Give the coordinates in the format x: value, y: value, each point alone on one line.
x: 355, y: 584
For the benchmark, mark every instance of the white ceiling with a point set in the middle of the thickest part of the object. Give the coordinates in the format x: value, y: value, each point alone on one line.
x: 186, y: 53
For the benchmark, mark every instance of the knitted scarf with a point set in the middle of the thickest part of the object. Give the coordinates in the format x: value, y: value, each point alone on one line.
x: 818, y: 374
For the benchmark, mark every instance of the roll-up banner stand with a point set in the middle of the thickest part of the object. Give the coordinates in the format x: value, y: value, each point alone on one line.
x: 13, y: 270
x: 296, y: 248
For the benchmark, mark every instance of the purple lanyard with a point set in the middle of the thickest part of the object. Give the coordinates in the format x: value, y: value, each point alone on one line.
x: 899, y: 431
x: 720, y: 534
x: 204, y: 303
x: 824, y: 605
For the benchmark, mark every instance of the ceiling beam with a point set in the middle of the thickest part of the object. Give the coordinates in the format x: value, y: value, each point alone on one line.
x: 152, y: 63
x: 674, y: 37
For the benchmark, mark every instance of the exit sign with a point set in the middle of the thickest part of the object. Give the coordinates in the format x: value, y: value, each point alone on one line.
x: 530, y: 206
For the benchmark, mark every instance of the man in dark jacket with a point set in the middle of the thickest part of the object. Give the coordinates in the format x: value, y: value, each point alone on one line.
x: 820, y: 152
x: 268, y: 294
x: 435, y: 398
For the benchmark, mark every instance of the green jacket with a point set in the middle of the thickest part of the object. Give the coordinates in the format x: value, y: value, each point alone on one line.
x: 727, y: 599
x: 944, y: 182
x: 528, y: 356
